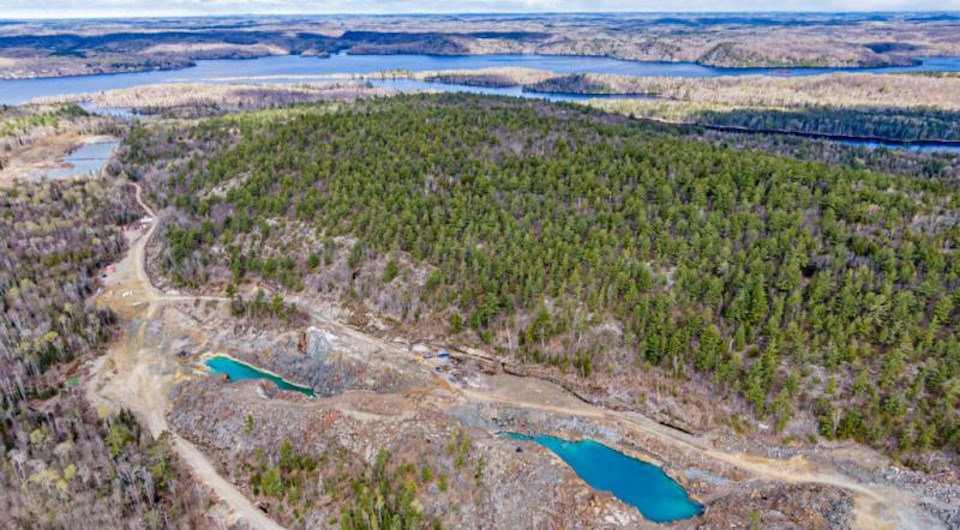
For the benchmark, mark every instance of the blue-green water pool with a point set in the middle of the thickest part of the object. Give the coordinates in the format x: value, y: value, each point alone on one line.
x: 237, y: 371
x: 637, y: 483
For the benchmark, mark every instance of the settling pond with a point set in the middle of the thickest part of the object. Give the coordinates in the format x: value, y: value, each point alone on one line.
x: 644, y: 486
x: 238, y: 370
x: 639, y: 484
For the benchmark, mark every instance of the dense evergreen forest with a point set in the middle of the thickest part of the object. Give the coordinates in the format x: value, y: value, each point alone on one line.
x: 904, y: 162
x: 62, y: 464
x: 794, y: 287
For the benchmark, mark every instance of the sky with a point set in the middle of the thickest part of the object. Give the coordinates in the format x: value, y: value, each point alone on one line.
x: 128, y: 8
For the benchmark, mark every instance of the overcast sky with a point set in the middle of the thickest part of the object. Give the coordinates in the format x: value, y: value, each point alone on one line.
x: 126, y: 8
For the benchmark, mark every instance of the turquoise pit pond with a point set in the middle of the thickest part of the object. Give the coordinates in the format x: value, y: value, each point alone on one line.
x: 237, y: 371
x: 637, y: 483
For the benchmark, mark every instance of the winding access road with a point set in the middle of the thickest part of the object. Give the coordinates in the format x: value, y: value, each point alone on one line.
x: 133, y: 375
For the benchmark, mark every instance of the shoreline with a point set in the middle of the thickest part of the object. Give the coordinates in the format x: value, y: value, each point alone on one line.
x: 209, y: 356
x: 950, y: 145
x: 916, y: 61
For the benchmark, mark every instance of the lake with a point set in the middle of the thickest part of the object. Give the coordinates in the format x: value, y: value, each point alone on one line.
x: 86, y: 160
x: 922, y: 147
x: 288, y: 69
x: 635, y: 482
x: 413, y: 85
x: 238, y: 371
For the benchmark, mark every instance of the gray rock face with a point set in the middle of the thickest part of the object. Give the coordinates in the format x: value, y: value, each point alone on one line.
x: 317, y: 343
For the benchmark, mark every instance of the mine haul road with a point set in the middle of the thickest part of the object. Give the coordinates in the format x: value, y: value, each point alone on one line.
x: 135, y: 375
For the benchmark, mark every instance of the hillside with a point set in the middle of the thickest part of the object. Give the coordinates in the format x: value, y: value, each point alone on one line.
x: 819, y: 300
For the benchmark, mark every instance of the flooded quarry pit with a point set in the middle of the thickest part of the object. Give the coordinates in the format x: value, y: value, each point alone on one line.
x: 635, y: 482
x: 238, y: 371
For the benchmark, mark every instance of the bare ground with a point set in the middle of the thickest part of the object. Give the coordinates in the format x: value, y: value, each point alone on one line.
x: 139, y: 372
x: 134, y: 374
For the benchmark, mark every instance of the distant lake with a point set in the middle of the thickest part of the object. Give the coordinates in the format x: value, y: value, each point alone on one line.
x: 404, y: 84
x: 917, y: 147
x: 297, y: 69
x: 86, y: 160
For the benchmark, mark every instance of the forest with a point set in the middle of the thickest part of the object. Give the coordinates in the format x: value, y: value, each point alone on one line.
x: 925, y: 90
x: 64, y: 464
x: 382, y: 494
x: 895, y: 124
x: 572, y: 84
x: 895, y: 107
x: 797, y: 289
x: 942, y: 165
x: 899, y: 124
x: 15, y: 120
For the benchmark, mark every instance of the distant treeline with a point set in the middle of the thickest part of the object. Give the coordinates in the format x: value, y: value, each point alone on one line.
x: 480, y: 79
x: 899, y: 124
x: 571, y: 84
x: 925, y: 164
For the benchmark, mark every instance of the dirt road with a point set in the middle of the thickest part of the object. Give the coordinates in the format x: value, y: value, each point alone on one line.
x: 876, y: 507
x: 137, y: 375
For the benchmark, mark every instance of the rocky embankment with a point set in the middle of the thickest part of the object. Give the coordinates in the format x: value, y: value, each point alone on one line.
x: 382, y: 408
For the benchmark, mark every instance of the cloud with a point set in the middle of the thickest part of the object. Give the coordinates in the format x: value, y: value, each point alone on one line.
x: 126, y: 8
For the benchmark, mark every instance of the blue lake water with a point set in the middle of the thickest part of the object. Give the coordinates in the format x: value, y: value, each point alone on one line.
x: 921, y: 148
x: 238, y: 371
x: 85, y: 161
x: 413, y: 85
x: 296, y: 69
x: 117, y: 112
x: 291, y: 69
x: 644, y: 486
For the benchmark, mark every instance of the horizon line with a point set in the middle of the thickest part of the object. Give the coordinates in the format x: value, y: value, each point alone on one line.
x: 27, y: 18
